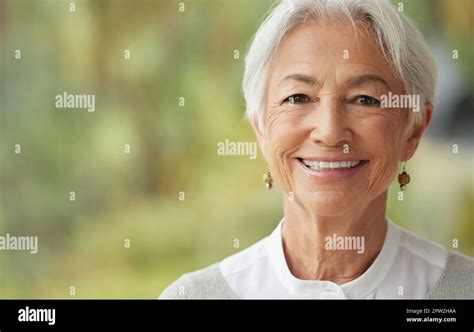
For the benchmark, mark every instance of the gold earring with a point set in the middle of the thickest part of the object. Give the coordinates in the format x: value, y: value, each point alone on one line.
x: 403, y: 178
x: 268, y: 180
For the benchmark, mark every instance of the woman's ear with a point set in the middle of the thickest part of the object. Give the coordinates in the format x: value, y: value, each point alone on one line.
x: 260, y: 136
x: 415, y: 136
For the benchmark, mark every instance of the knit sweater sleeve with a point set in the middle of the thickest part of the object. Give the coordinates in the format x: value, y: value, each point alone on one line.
x: 208, y: 283
x: 457, y: 280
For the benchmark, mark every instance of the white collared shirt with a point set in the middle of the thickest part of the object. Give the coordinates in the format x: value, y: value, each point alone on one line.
x: 406, y: 268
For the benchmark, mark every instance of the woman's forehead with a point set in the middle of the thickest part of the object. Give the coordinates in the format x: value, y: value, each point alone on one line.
x: 329, y: 50
x: 326, y: 37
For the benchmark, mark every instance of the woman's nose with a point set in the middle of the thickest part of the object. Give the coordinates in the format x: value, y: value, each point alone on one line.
x: 329, y: 123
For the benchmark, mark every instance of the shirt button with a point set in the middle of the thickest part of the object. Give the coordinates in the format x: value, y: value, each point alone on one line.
x: 332, y: 294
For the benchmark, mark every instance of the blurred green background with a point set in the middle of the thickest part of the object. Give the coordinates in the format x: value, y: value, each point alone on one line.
x: 135, y: 196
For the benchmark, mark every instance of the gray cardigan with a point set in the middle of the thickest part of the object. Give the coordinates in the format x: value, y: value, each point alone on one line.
x: 456, y: 282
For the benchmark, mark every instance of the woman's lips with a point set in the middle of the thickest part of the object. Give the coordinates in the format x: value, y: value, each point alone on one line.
x: 331, y: 169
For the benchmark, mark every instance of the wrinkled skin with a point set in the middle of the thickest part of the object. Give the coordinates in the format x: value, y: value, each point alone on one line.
x: 327, y: 108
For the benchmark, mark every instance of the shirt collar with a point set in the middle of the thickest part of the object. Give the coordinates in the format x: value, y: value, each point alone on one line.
x: 360, y: 287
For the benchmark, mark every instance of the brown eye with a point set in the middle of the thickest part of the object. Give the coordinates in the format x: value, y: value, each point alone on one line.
x: 367, y: 101
x: 297, y: 99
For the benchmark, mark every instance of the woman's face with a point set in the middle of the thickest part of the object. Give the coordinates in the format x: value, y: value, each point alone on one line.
x: 323, y: 111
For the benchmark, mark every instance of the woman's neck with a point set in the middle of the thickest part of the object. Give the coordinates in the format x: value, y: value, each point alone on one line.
x: 334, y: 248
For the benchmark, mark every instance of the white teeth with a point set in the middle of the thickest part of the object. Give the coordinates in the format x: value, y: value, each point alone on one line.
x: 313, y: 164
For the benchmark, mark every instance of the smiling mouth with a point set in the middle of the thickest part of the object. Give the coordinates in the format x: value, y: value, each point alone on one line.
x: 331, y: 165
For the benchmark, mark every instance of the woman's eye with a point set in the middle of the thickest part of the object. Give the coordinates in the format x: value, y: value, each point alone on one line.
x: 367, y: 101
x: 297, y: 99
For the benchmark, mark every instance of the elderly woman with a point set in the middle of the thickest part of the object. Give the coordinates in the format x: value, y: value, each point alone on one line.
x: 339, y: 94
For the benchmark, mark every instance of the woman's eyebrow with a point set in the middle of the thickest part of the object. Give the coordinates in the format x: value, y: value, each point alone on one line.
x: 303, y: 78
x: 354, y: 81
x: 359, y: 80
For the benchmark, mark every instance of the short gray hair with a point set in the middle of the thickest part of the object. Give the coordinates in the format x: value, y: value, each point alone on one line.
x: 399, y: 39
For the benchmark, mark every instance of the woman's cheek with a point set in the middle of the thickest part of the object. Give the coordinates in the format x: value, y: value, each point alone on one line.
x: 382, y: 171
x: 282, y: 144
x: 281, y: 168
x: 386, y: 142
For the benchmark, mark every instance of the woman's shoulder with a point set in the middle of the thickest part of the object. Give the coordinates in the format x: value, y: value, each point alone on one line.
x: 457, y: 280
x: 211, y: 282
x: 207, y: 283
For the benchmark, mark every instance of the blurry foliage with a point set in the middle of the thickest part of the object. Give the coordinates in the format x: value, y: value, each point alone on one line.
x: 173, y: 149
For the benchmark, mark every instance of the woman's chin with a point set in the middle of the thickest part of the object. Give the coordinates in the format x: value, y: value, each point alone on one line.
x: 329, y: 203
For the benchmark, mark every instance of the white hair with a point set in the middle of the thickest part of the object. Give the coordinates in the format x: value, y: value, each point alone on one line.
x: 398, y: 38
